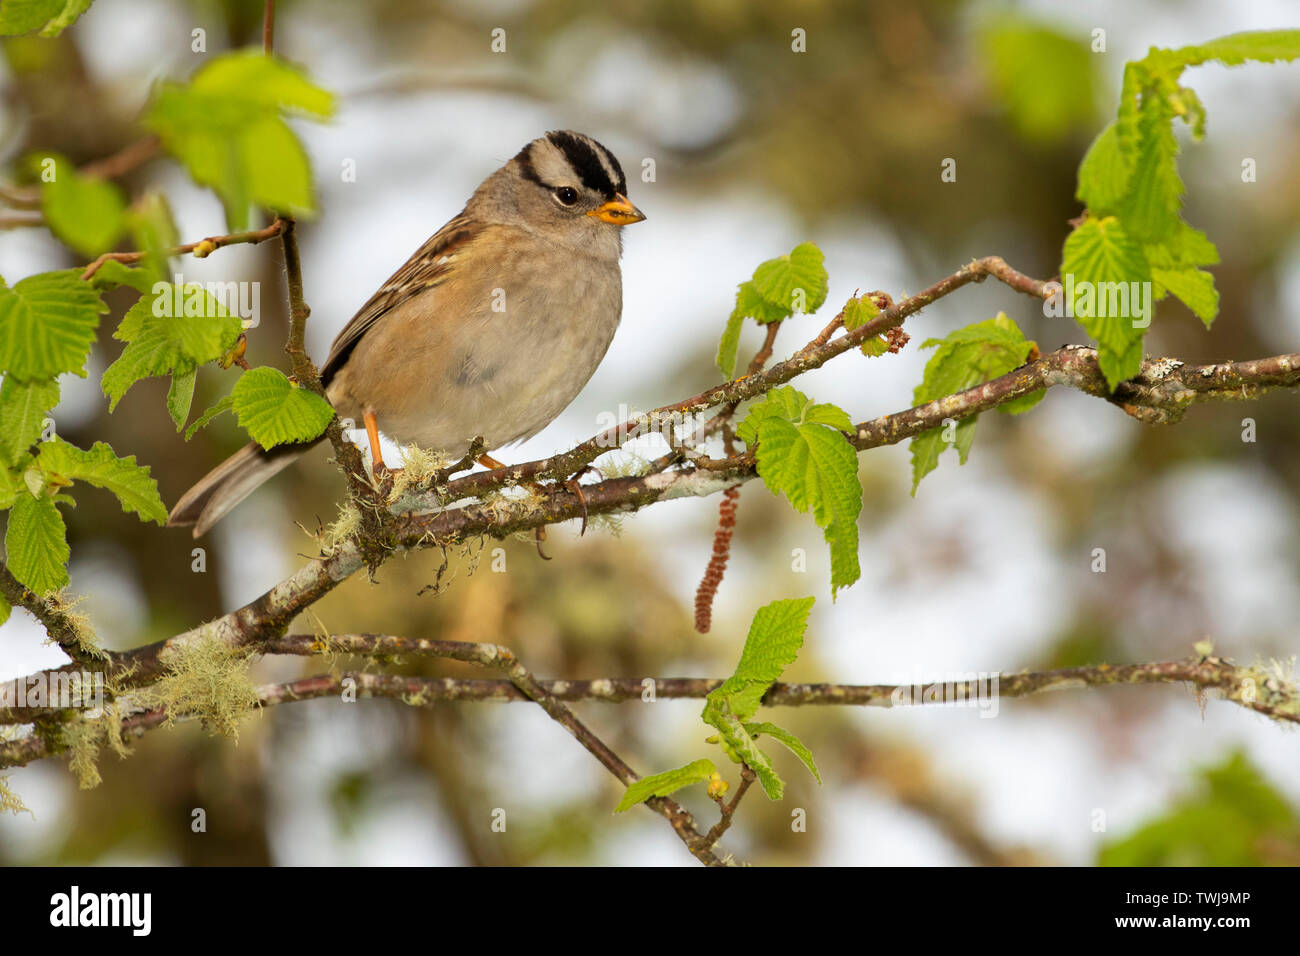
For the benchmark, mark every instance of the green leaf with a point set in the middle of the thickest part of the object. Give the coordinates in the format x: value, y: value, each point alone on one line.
x: 730, y: 345
x: 129, y: 482
x: 1263, y: 46
x: 162, y: 338
x: 113, y: 274
x: 47, y: 325
x: 154, y: 232
x: 1103, y: 174
x: 23, y: 408
x: 226, y: 125
x: 1151, y: 207
x: 180, y: 395
x: 275, y: 411
x: 1194, y: 286
x: 796, y: 282
x: 36, y: 545
x: 24, y: 16
x: 1101, y: 262
x: 5, y: 608
x: 967, y: 357
x: 85, y: 212
x: 775, y: 636
x: 1235, y: 817
x: 11, y: 485
x: 802, y: 454
x: 663, y: 784
x: 69, y: 14
x: 796, y: 746
x: 225, y: 405
x: 740, y: 747
x: 1045, y: 79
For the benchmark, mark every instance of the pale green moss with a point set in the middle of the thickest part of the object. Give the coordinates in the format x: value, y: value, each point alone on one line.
x: 207, y: 680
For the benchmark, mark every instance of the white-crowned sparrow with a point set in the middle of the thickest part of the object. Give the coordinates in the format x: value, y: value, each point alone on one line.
x: 491, y: 329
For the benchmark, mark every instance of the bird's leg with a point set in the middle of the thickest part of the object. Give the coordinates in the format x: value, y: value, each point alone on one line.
x: 487, y: 461
x: 377, y: 466
x: 573, y: 485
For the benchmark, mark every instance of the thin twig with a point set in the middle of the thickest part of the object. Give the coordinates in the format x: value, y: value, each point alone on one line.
x: 210, y: 244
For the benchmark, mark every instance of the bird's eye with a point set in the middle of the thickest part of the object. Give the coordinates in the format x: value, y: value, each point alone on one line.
x: 566, y: 195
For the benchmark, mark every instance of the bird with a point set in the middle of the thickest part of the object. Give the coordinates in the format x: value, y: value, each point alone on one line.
x: 490, y: 330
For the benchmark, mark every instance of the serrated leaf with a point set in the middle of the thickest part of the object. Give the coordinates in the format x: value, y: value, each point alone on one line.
x: 663, y: 784
x: 47, y: 325
x: 1262, y: 46
x: 275, y: 411
x: 1100, y: 258
x: 775, y: 636
x: 36, y: 545
x: 85, y: 212
x: 160, y: 341
x: 23, y: 408
x: 1151, y: 206
x: 1194, y: 286
x: 797, y: 281
x: 226, y: 125
x: 132, y: 484
x: 967, y: 357
x: 225, y: 405
x: 803, y: 455
x: 795, y: 745
x: 1103, y: 174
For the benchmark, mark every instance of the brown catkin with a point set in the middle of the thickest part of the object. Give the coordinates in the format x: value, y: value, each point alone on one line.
x: 718, y: 562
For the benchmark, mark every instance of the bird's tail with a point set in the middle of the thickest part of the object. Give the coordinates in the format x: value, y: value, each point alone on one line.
x: 217, y: 492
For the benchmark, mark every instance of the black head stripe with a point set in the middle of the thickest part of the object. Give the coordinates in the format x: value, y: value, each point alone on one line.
x: 526, y: 169
x: 582, y: 156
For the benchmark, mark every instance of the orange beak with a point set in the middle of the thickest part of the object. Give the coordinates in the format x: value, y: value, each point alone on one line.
x: 618, y: 212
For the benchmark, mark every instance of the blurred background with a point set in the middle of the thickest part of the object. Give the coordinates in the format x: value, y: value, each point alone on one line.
x: 754, y: 148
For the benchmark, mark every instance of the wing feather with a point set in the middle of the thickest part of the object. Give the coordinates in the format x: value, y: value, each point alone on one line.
x: 429, y: 266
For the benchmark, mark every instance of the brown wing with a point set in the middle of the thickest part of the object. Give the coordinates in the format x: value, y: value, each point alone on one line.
x: 429, y: 266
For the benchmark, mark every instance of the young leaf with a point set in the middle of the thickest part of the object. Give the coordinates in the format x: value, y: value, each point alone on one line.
x: 780, y: 287
x: 113, y: 274
x: 172, y: 331
x: 663, y: 784
x: 5, y: 608
x: 803, y: 454
x: 180, y: 396
x: 36, y: 544
x: 741, y: 748
x: 796, y: 282
x: 226, y: 125
x: 775, y: 636
x: 131, y: 483
x: 1194, y: 286
x: 225, y: 405
x: 47, y: 325
x: 275, y: 411
x: 797, y: 746
x: 967, y: 357
x: 22, y: 415
x: 84, y: 211
x: 1100, y: 256
x: 1045, y: 79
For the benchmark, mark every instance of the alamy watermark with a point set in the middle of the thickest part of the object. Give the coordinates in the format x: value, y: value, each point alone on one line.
x: 977, y: 689
x: 58, y: 689
x: 1099, y: 300
x: 210, y: 300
